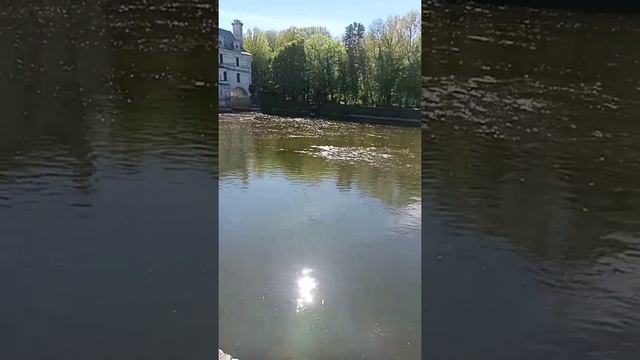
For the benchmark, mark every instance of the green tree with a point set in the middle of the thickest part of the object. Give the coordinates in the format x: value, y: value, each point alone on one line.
x: 257, y: 44
x: 410, y: 51
x: 324, y: 59
x: 375, y: 67
x: 311, y: 31
x: 272, y: 39
x: 353, y: 41
x: 394, y: 63
x: 289, y: 67
x: 384, y: 63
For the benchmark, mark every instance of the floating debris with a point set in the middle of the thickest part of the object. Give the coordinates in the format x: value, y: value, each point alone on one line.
x: 479, y: 38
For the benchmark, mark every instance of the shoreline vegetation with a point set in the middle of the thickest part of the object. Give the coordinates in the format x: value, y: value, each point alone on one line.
x: 365, y: 74
x: 341, y: 112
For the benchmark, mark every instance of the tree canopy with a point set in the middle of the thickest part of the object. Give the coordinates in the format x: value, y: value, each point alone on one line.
x: 378, y: 66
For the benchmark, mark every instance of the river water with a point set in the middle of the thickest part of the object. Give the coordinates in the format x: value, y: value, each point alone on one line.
x: 108, y: 198
x: 319, y: 239
x: 531, y: 198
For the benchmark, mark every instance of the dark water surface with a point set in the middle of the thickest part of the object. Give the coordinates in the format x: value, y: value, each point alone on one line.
x: 531, y: 198
x: 319, y: 239
x: 108, y: 199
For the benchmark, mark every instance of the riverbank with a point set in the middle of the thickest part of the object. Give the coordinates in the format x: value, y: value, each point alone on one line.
x: 331, y: 111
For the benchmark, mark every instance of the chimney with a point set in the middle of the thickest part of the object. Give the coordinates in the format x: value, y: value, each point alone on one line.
x: 237, y: 31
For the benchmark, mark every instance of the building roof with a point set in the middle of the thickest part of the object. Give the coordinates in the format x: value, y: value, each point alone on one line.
x: 227, y: 39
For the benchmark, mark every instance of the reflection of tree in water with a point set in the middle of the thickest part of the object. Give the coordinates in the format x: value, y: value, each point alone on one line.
x: 251, y: 147
x: 237, y: 151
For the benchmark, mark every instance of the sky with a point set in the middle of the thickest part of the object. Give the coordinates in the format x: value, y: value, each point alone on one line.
x: 335, y: 15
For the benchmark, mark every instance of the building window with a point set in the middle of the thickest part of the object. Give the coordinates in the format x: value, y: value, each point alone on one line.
x: 237, y: 61
x: 224, y: 76
x: 221, y: 59
x: 238, y: 77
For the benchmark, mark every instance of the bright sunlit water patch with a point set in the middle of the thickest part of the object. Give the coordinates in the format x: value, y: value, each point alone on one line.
x: 307, y: 285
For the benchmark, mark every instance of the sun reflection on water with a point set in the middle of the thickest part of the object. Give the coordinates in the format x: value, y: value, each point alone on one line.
x: 307, y: 285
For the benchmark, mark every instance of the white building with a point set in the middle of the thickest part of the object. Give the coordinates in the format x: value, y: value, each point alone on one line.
x: 234, y: 71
